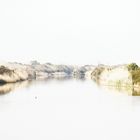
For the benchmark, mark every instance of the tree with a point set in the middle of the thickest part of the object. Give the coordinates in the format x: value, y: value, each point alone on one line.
x: 133, y: 66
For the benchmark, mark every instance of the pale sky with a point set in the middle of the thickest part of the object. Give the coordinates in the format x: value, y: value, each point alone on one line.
x: 70, y: 31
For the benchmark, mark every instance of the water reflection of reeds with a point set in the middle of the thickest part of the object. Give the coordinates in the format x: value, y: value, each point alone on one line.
x: 136, y: 91
x: 129, y: 90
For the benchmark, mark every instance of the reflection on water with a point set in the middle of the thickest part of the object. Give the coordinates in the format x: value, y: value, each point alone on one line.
x: 136, y: 92
x: 7, y: 88
x: 75, y: 108
x: 123, y: 90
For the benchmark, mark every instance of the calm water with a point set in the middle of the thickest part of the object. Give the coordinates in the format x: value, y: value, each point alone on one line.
x: 67, y: 110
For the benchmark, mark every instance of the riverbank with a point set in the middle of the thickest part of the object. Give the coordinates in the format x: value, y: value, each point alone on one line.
x: 122, y: 76
x: 15, y: 72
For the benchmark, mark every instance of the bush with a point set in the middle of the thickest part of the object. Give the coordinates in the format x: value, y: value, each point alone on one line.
x: 135, y: 72
x: 133, y: 66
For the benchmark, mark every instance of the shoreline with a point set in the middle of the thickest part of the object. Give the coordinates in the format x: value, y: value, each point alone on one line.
x: 121, y: 76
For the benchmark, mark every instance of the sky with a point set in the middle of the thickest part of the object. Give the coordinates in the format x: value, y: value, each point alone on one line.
x: 70, y: 31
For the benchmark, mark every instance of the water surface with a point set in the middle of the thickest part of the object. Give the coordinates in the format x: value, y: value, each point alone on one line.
x: 67, y: 110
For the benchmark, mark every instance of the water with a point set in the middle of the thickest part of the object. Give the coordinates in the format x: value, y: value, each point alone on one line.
x: 67, y: 110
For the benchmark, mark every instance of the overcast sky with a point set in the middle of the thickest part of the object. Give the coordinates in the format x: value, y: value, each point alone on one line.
x: 70, y: 31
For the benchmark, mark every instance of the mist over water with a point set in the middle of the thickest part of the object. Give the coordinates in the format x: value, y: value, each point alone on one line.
x: 70, y: 32
x: 66, y: 109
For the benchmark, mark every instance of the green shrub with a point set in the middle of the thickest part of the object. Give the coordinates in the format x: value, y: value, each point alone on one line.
x: 133, y: 66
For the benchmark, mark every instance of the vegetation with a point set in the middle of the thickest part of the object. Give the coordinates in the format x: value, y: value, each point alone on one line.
x: 136, y: 76
x: 135, y: 71
x: 97, y: 72
x: 4, y: 70
x: 133, y: 66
